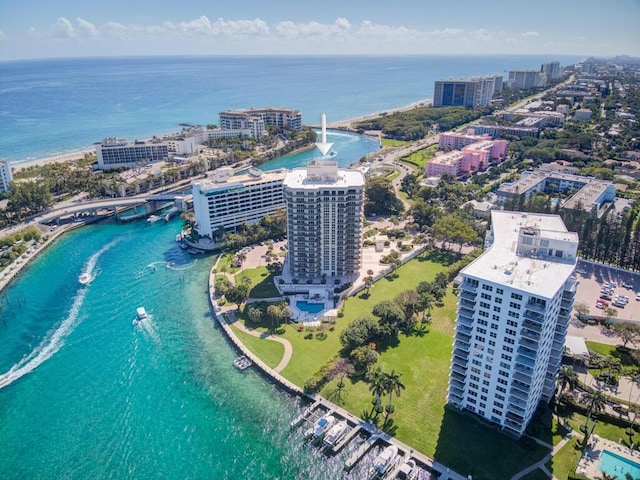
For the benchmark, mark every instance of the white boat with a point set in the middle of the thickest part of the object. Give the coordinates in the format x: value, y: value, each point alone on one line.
x: 321, y: 426
x: 385, y: 460
x: 242, y: 363
x: 153, y: 218
x: 85, y: 278
x: 335, y: 433
x: 408, y: 470
x: 141, y: 316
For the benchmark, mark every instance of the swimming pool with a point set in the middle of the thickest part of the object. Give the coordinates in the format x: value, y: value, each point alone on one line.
x: 305, y: 306
x: 616, y: 465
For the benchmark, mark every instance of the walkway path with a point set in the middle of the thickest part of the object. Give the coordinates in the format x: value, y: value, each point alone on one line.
x: 288, y: 349
x: 541, y: 463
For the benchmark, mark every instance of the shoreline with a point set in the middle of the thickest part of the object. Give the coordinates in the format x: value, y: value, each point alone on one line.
x: 337, y: 125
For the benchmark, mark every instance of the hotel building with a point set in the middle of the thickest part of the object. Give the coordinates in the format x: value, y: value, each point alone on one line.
x: 514, y: 307
x: 6, y: 176
x: 115, y: 153
x: 223, y: 202
x: 468, y: 92
x: 325, y: 207
x: 457, y: 140
x: 256, y: 119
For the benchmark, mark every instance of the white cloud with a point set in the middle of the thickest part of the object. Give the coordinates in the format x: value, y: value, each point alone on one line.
x: 86, y: 28
x: 289, y: 29
x: 530, y: 34
x: 2, y: 35
x: 482, y: 34
x: 447, y: 32
x: 63, y: 28
x: 368, y: 28
x: 232, y: 28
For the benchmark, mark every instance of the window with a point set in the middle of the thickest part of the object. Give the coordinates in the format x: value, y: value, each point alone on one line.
x: 500, y: 397
x: 497, y: 412
x: 513, y: 314
x: 482, y: 330
x: 504, y: 365
x: 516, y: 296
x: 498, y: 300
x: 494, y: 326
x: 493, y: 334
x: 506, y: 357
x: 492, y: 344
x: 499, y: 291
x: 510, y: 341
x: 488, y: 288
x: 485, y: 305
x: 496, y: 309
x: 499, y: 405
x: 514, y: 305
x: 485, y: 390
x: 486, y: 296
x: 495, y: 317
x: 502, y: 373
x: 501, y: 389
x: 510, y: 332
x: 507, y: 349
x: 482, y: 322
x: 511, y: 323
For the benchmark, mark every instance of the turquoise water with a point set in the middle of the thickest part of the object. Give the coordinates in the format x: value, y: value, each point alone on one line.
x: 616, y: 465
x: 92, y: 396
x: 305, y: 306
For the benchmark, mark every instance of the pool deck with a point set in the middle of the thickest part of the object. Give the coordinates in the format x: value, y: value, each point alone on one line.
x: 588, y: 464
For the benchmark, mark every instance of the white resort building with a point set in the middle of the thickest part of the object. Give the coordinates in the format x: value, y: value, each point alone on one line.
x: 256, y: 119
x: 325, y: 208
x: 513, y: 311
x: 223, y: 201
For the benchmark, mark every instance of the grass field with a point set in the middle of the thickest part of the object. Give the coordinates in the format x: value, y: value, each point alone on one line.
x: 389, y: 142
x: 564, y: 462
x: 268, y: 351
x: 262, y: 285
x: 419, y: 158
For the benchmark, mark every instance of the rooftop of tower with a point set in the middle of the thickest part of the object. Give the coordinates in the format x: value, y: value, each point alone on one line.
x: 319, y: 174
x: 515, y: 257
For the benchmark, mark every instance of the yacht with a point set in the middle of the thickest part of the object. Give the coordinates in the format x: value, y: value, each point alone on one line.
x: 335, y: 433
x: 321, y: 426
x: 384, y: 462
x: 408, y: 470
x: 153, y: 218
x: 85, y: 278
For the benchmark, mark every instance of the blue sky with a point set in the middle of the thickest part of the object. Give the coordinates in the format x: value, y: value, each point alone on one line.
x: 72, y: 28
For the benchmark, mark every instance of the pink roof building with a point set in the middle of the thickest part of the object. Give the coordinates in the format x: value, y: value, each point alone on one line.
x: 457, y: 140
x: 472, y: 158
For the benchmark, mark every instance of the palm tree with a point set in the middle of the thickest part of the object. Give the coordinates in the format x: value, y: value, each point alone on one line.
x: 392, y: 384
x: 241, y: 258
x: 377, y: 386
x: 368, y: 282
x: 606, y: 476
x: 567, y: 377
x: 595, y: 401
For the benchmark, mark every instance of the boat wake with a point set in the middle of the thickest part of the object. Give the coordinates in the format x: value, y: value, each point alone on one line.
x: 87, y: 276
x: 148, y: 327
x: 50, y: 344
x: 54, y: 339
x: 173, y: 266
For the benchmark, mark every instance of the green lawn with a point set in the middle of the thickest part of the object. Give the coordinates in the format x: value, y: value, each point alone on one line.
x: 224, y: 264
x: 419, y: 158
x: 268, y: 351
x: 564, y: 462
x: 537, y: 474
x: 262, y: 285
x: 389, y: 142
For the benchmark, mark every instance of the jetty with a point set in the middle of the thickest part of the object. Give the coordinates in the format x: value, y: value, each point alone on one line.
x: 306, y: 413
x: 362, y: 450
x: 347, y: 438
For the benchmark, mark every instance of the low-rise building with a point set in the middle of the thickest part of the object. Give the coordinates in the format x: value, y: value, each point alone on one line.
x: 472, y: 158
x: 256, y: 119
x: 593, y: 195
x: 583, y: 114
x: 502, y: 130
x: 457, y: 140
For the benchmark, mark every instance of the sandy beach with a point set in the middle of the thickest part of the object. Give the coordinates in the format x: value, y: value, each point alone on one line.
x: 347, y: 123
x: 66, y: 157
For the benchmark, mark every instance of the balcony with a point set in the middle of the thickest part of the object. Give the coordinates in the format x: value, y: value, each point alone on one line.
x: 529, y: 353
x: 457, y: 369
x: 536, y: 307
x: 462, y: 328
x: 464, y: 337
x: 457, y: 383
x: 467, y: 295
x: 456, y: 390
x: 462, y: 310
x: 529, y: 338
x: 536, y: 327
x: 533, y: 316
x: 467, y: 304
x: 526, y: 361
x: 460, y: 357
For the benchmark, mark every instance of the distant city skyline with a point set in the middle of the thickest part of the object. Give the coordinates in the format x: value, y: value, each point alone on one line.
x: 71, y: 28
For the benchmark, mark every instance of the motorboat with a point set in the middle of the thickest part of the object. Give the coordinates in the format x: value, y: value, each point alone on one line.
x: 242, y: 362
x: 335, y: 433
x: 153, y: 218
x: 385, y: 460
x: 321, y: 426
x: 408, y: 470
x: 141, y: 315
x: 85, y: 278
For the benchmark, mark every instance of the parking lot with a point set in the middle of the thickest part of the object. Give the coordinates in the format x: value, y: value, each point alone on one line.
x: 593, y: 277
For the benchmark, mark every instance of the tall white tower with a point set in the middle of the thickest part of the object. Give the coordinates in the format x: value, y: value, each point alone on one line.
x: 6, y: 176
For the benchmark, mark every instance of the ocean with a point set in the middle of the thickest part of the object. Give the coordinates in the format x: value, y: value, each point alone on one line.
x: 51, y: 107
x: 88, y: 394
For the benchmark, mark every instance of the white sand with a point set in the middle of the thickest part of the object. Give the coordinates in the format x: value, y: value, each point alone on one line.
x: 67, y: 157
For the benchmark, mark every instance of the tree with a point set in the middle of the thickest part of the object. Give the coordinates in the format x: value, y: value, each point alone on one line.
x: 274, y: 313
x: 609, y: 314
x: 410, y: 302
x: 237, y: 294
x: 381, y: 197
x: 377, y: 386
x: 581, y: 309
x: 595, y: 402
x: 254, y: 314
x: 392, y: 385
x: 628, y: 332
x: 567, y: 377
x: 241, y: 257
x: 390, y: 315
x: 368, y: 282
x: 360, y: 332
x: 364, y: 357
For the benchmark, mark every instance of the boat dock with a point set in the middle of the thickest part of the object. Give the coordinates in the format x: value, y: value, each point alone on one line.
x: 358, y: 454
x: 306, y: 413
x: 347, y: 438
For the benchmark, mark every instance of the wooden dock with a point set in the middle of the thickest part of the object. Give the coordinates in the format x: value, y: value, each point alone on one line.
x: 306, y: 413
x: 347, y: 438
x: 358, y: 454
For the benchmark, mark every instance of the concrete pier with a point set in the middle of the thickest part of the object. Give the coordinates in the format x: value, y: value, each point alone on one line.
x: 362, y: 450
x: 347, y: 438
